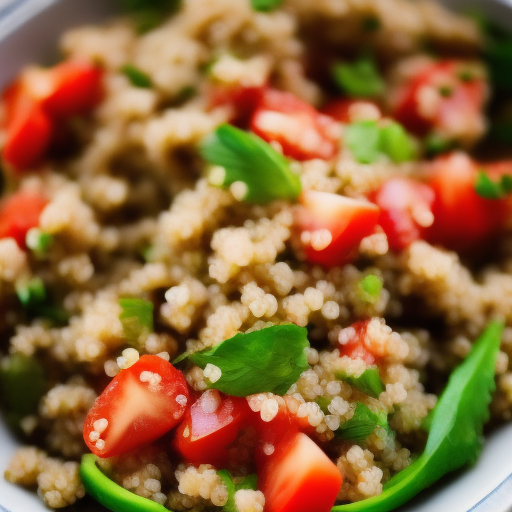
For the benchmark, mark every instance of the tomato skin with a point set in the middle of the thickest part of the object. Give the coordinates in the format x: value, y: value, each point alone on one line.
x: 347, y: 220
x: 302, y: 131
x: 19, y: 213
x: 299, y: 477
x: 204, y: 437
x: 339, y: 109
x: 462, y: 218
x: 138, y: 411
x: 243, y: 101
x: 459, y: 110
x: 355, y: 346
x: 402, y: 201
x: 28, y: 129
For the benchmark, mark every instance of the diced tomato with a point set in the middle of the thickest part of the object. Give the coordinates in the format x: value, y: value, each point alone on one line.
x: 356, y: 344
x: 462, y: 219
x: 302, y: 131
x: 67, y: 89
x: 339, y: 222
x: 243, y: 101
x: 340, y: 109
x: 28, y: 129
x: 405, y: 211
x: 447, y: 97
x: 140, y: 404
x: 210, y: 425
x: 19, y: 213
x: 299, y: 477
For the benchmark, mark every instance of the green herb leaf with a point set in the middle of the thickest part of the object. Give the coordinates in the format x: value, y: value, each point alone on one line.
x: 268, y: 360
x: 363, y: 140
x: 368, y: 382
x: 370, y: 287
x: 136, y: 317
x: 233, y: 485
x: 39, y: 242
x: 456, y: 426
x: 360, y: 426
x: 22, y: 384
x: 137, y: 77
x: 436, y: 144
x: 265, y: 5
x: 148, y: 14
x: 31, y: 293
x: 248, y: 159
x: 323, y: 402
x: 489, y: 189
x: 396, y: 143
x: 111, y: 495
x: 360, y: 79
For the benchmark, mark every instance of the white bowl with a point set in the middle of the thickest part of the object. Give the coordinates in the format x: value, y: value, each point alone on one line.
x: 29, y: 30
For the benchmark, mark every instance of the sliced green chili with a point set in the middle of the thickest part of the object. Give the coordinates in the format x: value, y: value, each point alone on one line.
x: 111, y: 495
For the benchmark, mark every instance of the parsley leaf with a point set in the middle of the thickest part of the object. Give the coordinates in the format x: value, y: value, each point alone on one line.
x: 233, y: 485
x: 367, y: 141
x: 248, y: 159
x: 360, y: 79
x: 489, y: 189
x: 361, y: 425
x: 370, y: 287
x: 268, y: 360
x: 136, y: 317
x: 456, y: 425
x: 39, y: 242
x: 436, y: 144
x: 31, y: 293
x: 265, y: 5
x: 137, y: 77
x: 147, y: 14
x: 368, y: 382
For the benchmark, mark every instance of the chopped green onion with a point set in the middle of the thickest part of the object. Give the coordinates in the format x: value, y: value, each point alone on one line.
x: 489, y: 189
x: 137, y: 77
x: 243, y: 158
x: 396, y: 143
x: 39, y: 242
x: 370, y: 287
x: 368, y: 382
x: 31, y: 293
x: 455, y: 428
x: 265, y: 5
x: 136, y: 317
x: 360, y: 79
x: 363, y: 140
x: 111, y: 495
x: 361, y: 425
x: 235, y: 484
x: 266, y: 361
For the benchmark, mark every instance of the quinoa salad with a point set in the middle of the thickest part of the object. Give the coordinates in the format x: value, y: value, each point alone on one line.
x: 256, y: 255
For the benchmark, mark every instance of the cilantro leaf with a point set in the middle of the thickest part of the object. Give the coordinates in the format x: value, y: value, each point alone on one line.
x: 31, y: 293
x: 489, y: 189
x: 370, y: 287
x: 363, y: 139
x: 361, y: 425
x: 456, y: 426
x: 233, y: 485
x: 268, y: 360
x: 39, y: 242
x: 248, y: 159
x: 137, y: 77
x: 136, y: 317
x: 368, y: 382
x: 265, y: 5
x: 367, y: 141
x: 360, y: 79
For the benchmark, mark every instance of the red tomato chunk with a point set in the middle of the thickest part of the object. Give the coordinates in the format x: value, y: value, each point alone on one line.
x: 405, y: 211
x: 302, y: 131
x: 299, y: 477
x: 355, y: 343
x: 20, y: 213
x: 140, y: 404
x: 332, y: 226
